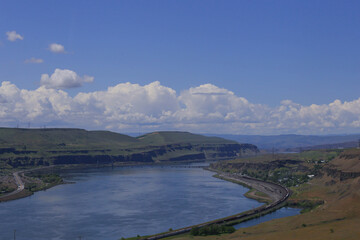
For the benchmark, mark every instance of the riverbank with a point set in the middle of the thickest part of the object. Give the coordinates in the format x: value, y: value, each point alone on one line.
x: 271, y: 191
x: 28, y: 185
x: 275, y: 193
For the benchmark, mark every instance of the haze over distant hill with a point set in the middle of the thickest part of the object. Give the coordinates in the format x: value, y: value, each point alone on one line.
x: 291, y: 141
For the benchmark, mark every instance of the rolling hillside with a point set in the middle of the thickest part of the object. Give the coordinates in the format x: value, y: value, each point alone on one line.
x: 59, y: 137
x: 33, y: 147
x: 161, y: 138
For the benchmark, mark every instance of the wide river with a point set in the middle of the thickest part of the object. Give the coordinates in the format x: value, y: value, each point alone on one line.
x: 107, y: 204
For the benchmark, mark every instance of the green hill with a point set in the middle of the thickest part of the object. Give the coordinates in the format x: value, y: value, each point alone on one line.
x: 167, y: 137
x: 33, y: 147
x: 59, y: 137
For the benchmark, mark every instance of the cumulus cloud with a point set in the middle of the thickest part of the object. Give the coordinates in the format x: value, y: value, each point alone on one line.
x: 12, y: 36
x: 210, y: 103
x: 206, y: 108
x: 128, y: 103
x: 64, y: 78
x: 41, y: 105
x: 34, y: 60
x: 56, y: 48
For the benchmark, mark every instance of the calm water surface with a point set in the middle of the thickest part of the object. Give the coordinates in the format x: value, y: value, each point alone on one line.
x: 108, y: 204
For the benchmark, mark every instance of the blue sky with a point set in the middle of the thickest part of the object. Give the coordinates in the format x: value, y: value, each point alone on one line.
x: 275, y: 57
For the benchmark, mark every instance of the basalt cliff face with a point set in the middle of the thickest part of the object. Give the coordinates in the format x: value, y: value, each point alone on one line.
x: 24, y: 147
x: 346, y: 166
x: 161, y: 153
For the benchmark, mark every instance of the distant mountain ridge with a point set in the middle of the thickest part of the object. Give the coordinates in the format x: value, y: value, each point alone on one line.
x: 292, y: 141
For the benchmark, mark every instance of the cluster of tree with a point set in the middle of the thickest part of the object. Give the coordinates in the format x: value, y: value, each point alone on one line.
x: 32, y: 187
x: 5, y: 189
x: 48, y: 178
x: 306, y: 205
x: 214, y: 229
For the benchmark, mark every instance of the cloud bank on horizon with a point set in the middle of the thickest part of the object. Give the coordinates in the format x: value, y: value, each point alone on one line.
x: 128, y: 107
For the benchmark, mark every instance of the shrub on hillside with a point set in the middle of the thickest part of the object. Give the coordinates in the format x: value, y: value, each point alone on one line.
x: 212, y: 230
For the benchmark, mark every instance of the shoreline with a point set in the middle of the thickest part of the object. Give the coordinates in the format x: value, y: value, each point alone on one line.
x: 273, y: 191
x: 278, y: 193
x: 21, y: 191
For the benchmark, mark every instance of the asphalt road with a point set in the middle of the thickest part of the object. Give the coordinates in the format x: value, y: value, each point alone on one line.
x: 19, y: 183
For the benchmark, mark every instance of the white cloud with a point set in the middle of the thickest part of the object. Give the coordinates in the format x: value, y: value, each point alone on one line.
x: 34, y: 60
x: 56, y: 48
x: 40, y: 105
x: 128, y: 103
x: 64, y: 78
x: 206, y: 108
x: 12, y: 36
x: 209, y: 103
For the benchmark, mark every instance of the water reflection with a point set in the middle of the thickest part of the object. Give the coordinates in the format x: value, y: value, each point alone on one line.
x: 110, y: 203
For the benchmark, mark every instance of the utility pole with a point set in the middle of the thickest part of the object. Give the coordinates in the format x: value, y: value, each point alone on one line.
x: 15, y: 234
x: 79, y: 237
